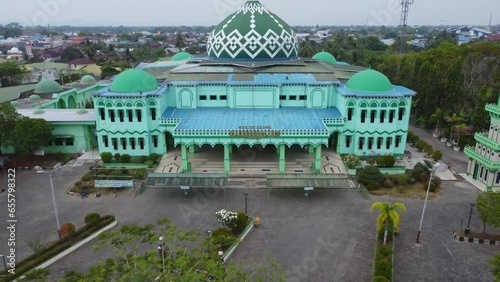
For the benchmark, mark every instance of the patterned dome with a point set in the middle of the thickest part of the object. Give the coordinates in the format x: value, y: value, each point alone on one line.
x: 253, y: 33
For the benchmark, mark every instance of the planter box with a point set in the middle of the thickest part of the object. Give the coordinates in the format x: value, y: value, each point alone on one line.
x: 351, y: 171
x: 435, y: 134
x: 444, y: 139
x: 456, y: 148
x: 449, y: 144
x: 393, y: 170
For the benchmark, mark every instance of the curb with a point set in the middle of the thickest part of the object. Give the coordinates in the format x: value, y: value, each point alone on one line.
x: 474, y: 240
x: 233, y: 247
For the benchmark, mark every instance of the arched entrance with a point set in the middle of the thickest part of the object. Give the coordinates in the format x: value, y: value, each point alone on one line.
x: 169, y: 141
x: 61, y: 104
x: 71, y: 102
x: 333, y: 141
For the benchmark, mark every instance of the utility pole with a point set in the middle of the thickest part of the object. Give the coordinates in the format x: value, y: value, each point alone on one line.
x: 489, y: 25
x: 405, y: 8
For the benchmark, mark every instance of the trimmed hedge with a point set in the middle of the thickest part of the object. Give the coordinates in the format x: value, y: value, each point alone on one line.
x: 54, y: 249
x: 383, y: 256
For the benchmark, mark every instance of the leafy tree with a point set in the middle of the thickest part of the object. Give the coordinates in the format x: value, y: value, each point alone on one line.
x: 488, y: 206
x: 388, y: 214
x: 495, y: 262
x: 70, y: 54
x: 180, y: 40
x: 371, y: 43
x: 30, y: 134
x: 437, y: 155
x: 181, y: 258
x: 370, y: 175
x: 8, y: 73
x: 8, y: 119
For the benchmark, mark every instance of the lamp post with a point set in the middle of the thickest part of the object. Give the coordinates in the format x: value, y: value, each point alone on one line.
x: 467, y: 230
x: 246, y: 204
x: 49, y: 172
x: 161, y: 249
x: 436, y: 166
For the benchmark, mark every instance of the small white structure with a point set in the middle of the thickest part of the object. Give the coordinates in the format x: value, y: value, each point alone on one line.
x: 15, y: 54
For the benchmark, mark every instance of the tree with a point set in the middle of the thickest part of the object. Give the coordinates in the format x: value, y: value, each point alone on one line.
x: 31, y: 134
x: 495, y: 262
x: 8, y: 119
x: 89, y: 49
x: 436, y: 118
x: 488, y: 206
x: 70, y: 54
x: 8, y: 72
x: 180, y: 40
x: 180, y: 258
x: 388, y: 214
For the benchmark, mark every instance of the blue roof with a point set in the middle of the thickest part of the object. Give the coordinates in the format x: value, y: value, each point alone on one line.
x: 106, y: 92
x: 397, y: 91
x: 233, y: 119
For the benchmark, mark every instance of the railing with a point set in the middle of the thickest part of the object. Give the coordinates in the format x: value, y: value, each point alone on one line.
x: 334, y: 121
x: 251, y: 134
x: 471, y: 152
x: 170, y: 121
x: 493, y: 108
x: 482, y: 137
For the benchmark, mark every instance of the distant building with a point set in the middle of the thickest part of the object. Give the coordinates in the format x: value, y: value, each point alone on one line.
x: 15, y: 55
x: 78, y: 64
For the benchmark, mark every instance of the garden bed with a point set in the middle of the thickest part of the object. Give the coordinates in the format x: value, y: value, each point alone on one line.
x: 383, y: 266
x: 45, y: 161
x: 417, y: 190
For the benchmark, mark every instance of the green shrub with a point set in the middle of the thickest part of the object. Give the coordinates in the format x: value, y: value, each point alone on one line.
x: 428, y: 149
x: 384, y: 251
x: 154, y: 157
x: 371, y: 161
x: 383, y: 267
x: 240, y: 223
x: 372, y: 187
x: 421, y: 144
x: 436, y: 180
x: 420, y: 165
x: 67, y: 230
x: 117, y: 157
x: 380, y: 160
x: 389, y: 161
x: 106, y: 157
x: 138, y: 159
x: 432, y: 187
x: 370, y: 175
x: 388, y: 184
x: 437, y: 155
x: 139, y: 173
x: 380, y: 279
x: 117, y: 172
x: 428, y: 164
x: 87, y: 176
x: 92, y: 218
x: 149, y: 163
x: 424, y: 177
x: 222, y: 237
x: 400, y: 179
x: 125, y: 158
x: 417, y: 173
x: 125, y: 171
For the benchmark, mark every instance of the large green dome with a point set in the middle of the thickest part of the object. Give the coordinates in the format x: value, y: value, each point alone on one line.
x: 181, y: 56
x: 134, y: 80
x: 47, y: 86
x: 325, y: 57
x: 253, y: 32
x: 369, y: 81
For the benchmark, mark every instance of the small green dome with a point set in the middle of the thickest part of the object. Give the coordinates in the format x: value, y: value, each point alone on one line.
x: 15, y: 104
x: 369, y: 81
x: 181, y: 56
x: 34, y: 98
x: 88, y: 79
x: 75, y: 84
x: 134, y: 80
x: 325, y: 57
x: 47, y: 86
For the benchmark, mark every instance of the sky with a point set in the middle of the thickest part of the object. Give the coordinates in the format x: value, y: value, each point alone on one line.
x: 211, y: 12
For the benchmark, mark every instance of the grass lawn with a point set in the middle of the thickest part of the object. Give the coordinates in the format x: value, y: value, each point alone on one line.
x: 416, y: 190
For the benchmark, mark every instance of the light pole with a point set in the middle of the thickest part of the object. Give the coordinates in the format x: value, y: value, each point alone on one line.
x: 246, y: 204
x: 436, y: 166
x: 467, y: 230
x: 161, y: 249
x: 49, y: 172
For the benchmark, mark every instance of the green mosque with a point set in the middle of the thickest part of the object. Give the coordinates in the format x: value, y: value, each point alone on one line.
x: 252, y: 90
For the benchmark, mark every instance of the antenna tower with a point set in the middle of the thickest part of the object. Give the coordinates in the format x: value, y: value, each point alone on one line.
x: 405, y: 7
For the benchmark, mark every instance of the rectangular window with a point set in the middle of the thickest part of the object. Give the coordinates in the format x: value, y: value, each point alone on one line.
x: 389, y: 143
x: 132, y: 143
x: 115, y: 143
x: 373, y: 115
x: 293, y: 98
x: 130, y: 115
x: 124, y: 143
x: 380, y: 140
x: 213, y: 97
x: 391, y: 115
x: 370, y: 143
x: 361, y: 143
x: 363, y: 116
x: 102, y: 113
x: 348, y: 141
x: 401, y: 113
x: 398, y: 141
x: 482, y: 171
x: 382, y: 116
x: 111, y: 115
x: 153, y: 113
x: 223, y: 97
x: 302, y: 97
x: 141, y: 143
x: 155, y: 141
x: 138, y: 113
x: 498, y: 178
x: 59, y: 141
x: 105, y: 140
x: 203, y: 97
x: 283, y: 97
x: 485, y: 175
x: 69, y: 142
x: 121, y: 116
x: 350, y: 111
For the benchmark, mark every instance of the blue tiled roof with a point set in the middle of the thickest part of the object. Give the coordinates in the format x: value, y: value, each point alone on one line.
x: 397, y: 91
x: 232, y: 119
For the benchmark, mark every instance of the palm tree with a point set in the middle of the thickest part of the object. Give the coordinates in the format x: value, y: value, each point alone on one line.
x: 180, y: 40
x: 388, y: 214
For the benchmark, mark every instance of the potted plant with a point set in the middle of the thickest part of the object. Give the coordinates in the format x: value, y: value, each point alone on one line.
x: 460, y: 128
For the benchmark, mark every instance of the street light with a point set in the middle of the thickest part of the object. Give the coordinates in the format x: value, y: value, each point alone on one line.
x: 161, y: 249
x: 467, y: 230
x: 49, y: 172
x: 246, y: 204
x: 434, y: 169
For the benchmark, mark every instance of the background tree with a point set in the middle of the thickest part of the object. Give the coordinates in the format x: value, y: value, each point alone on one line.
x: 388, y: 214
x: 30, y: 134
x: 70, y: 54
x: 185, y: 258
x: 9, y: 72
x: 488, y: 206
x: 180, y: 40
x: 8, y: 119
